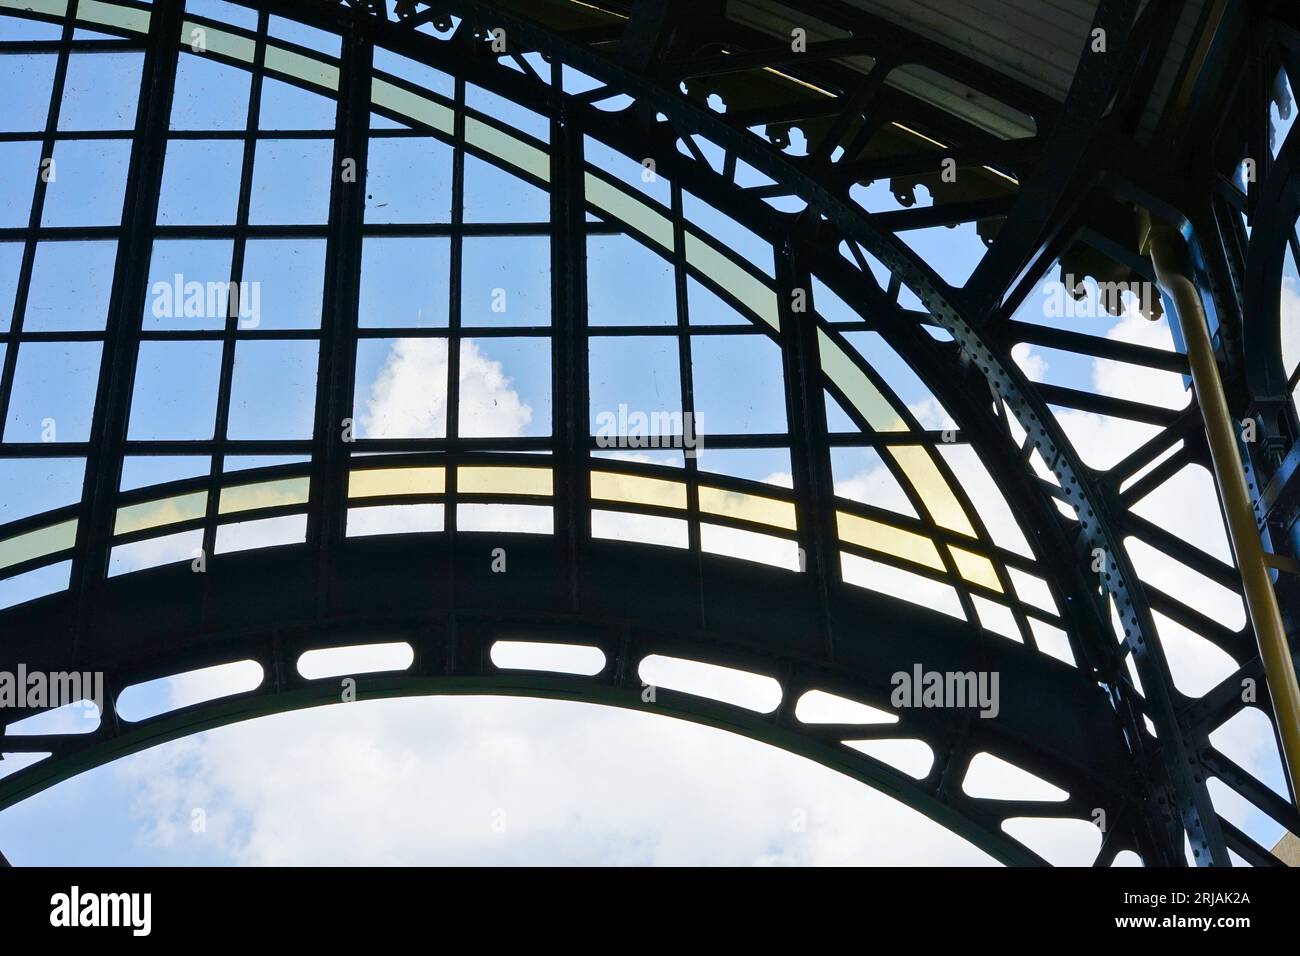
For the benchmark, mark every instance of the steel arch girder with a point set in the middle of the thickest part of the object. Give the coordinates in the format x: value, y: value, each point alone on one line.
x: 1054, y: 721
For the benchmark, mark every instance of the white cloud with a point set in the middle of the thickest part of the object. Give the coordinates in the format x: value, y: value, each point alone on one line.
x: 408, y: 400
x: 511, y: 781
x: 1289, y: 306
x: 1031, y: 361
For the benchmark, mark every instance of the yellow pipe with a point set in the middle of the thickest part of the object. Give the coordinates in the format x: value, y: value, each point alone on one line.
x: 1261, y: 601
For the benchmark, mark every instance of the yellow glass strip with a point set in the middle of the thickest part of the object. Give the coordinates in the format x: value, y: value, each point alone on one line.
x: 513, y: 150
x: 412, y: 105
x: 885, y: 538
x: 747, y: 507
x: 164, y: 511
x: 976, y: 568
x: 630, y: 210
x: 857, y: 388
x: 113, y: 15
x: 382, y: 482
x: 310, y: 69
x: 503, y: 480
x: 264, y: 494
x: 219, y: 41
x: 753, y: 292
x: 38, y: 543
x: 929, y: 483
x: 638, y: 489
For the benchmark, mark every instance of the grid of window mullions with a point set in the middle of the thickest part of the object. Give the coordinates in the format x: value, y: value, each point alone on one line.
x: 452, y: 446
x: 13, y: 337
x: 456, y: 230
x: 62, y: 135
x: 237, y: 270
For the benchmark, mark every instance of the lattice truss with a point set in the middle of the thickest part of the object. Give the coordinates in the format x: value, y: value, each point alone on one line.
x: 881, y: 277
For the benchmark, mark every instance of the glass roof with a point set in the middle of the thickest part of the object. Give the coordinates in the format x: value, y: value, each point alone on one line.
x: 453, y: 338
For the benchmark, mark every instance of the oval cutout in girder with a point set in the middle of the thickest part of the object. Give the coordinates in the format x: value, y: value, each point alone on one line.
x: 11, y: 763
x: 726, y: 684
x: 819, y: 707
x: 162, y: 695
x: 1061, y: 841
x: 912, y: 757
x: 323, y: 662
x: 581, y: 659
x: 993, y: 778
x: 76, y: 717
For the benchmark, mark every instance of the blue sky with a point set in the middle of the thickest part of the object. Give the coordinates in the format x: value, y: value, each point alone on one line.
x: 129, y: 812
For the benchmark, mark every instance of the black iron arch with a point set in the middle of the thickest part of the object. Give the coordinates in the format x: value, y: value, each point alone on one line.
x: 1053, y: 726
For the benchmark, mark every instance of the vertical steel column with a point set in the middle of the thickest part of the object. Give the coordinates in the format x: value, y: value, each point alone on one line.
x: 126, y: 306
x: 328, y: 497
x: 814, y: 489
x: 569, y: 344
x: 1167, y: 254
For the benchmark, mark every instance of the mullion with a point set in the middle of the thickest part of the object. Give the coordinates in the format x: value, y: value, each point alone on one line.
x: 229, y: 337
x: 250, y: 231
x: 21, y: 136
x: 454, y: 286
x: 33, y: 222
x: 123, y: 45
x: 683, y: 332
x: 614, y: 331
x: 58, y: 233
x: 250, y: 134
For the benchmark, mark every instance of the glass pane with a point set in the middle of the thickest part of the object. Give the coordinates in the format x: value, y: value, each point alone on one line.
x: 32, y: 486
x: 401, y: 388
x: 101, y: 91
x: 506, y: 281
x: 11, y: 260
x: 200, y: 183
x: 291, y: 181
x: 420, y: 74
x: 70, y: 287
x: 27, y: 81
x: 189, y: 282
x: 724, y: 230
x: 17, y: 28
x: 768, y: 465
x: 628, y: 284
x: 738, y: 384
x: 22, y: 162
x: 54, y: 392
x: 706, y: 307
x: 209, y: 95
x: 404, y: 283
x: 635, y: 386
x: 175, y: 394
x: 283, y: 284
x: 273, y: 393
x: 141, y: 471
x: 860, y: 474
x: 494, y: 195
x: 506, y: 111
x: 408, y: 179
x: 505, y: 388
x: 87, y: 184
x: 303, y: 35
x: 285, y: 106
x: 223, y: 12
